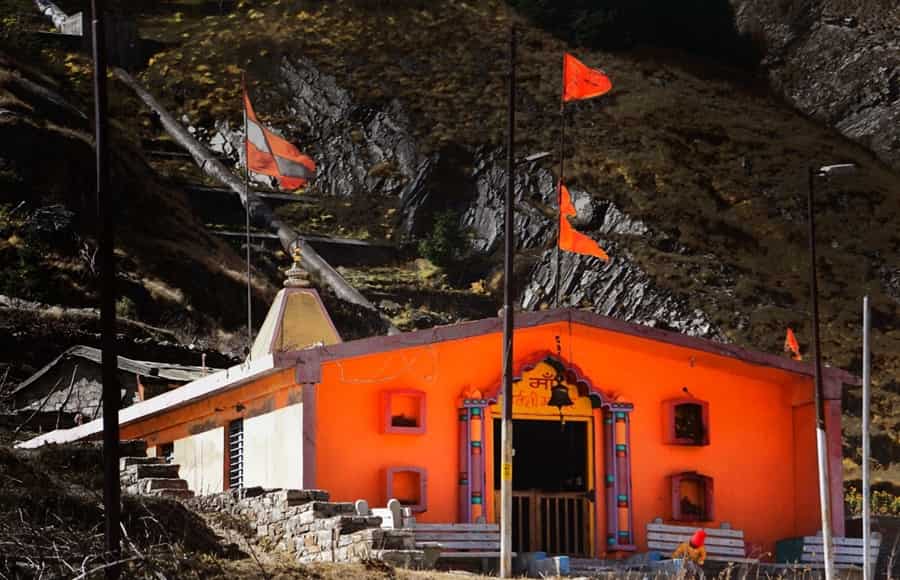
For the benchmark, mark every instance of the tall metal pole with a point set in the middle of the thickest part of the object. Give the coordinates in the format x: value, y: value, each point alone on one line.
x: 562, y: 167
x: 247, y: 212
x: 105, y: 214
x: 866, y: 393
x: 506, y: 472
x: 821, y: 447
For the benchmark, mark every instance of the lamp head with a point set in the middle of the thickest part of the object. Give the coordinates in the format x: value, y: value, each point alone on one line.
x: 835, y: 170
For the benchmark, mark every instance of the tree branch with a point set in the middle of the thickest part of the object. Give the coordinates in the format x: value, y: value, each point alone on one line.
x: 260, y: 213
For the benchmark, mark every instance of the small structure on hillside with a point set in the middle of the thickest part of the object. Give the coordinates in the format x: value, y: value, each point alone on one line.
x: 71, y: 383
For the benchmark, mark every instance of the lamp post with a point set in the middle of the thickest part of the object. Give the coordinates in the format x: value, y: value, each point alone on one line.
x: 506, y: 436
x: 821, y: 452
x: 866, y: 399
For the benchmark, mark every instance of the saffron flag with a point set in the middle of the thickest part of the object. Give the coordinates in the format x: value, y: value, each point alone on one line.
x: 791, y: 345
x: 570, y: 239
x: 269, y: 154
x: 581, y: 81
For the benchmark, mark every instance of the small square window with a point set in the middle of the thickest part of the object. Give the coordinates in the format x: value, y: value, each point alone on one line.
x: 686, y: 422
x: 166, y: 451
x: 408, y: 486
x: 692, y: 497
x: 404, y: 411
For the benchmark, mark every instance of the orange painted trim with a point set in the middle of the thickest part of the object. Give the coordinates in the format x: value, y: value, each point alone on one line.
x: 268, y: 394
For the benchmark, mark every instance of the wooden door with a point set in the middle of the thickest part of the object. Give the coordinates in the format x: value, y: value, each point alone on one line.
x: 556, y: 523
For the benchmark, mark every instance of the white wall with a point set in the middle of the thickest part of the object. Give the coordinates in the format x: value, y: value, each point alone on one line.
x: 202, y: 460
x: 273, y: 448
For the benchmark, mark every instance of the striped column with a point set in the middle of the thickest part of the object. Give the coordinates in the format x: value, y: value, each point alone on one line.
x: 471, y: 460
x: 464, y: 512
x: 476, y: 438
x: 619, y: 512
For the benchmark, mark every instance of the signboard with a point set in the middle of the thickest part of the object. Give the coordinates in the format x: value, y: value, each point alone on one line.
x: 531, y: 394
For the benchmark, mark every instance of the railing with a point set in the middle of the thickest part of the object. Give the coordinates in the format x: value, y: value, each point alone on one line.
x: 556, y: 523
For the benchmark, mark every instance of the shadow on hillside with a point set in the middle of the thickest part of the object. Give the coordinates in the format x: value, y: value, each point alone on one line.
x: 702, y: 27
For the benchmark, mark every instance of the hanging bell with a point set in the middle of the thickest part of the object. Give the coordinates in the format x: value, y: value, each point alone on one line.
x: 559, y: 396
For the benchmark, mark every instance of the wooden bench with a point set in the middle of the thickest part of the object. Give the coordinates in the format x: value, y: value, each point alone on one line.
x: 809, y: 551
x: 460, y: 540
x: 723, y: 544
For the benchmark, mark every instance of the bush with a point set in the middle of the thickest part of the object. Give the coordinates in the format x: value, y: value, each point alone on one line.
x: 126, y: 308
x: 446, y: 244
x: 884, y: 503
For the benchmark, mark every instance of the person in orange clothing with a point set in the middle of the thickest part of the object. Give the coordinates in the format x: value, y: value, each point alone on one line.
x: 692, y: 550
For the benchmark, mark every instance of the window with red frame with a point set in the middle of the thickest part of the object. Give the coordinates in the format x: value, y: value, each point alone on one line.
x: 686, y: 421
x: 692, y: 497
x: 404, y: 411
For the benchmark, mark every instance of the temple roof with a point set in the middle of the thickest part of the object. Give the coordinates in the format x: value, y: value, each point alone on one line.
x: 305, y: 348
x: 296, y: 320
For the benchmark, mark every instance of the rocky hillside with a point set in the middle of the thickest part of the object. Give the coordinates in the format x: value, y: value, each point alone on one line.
x: 837, y: 61
x: 691, y: 174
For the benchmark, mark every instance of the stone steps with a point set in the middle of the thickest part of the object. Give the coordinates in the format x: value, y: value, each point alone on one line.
x: 155, y: 470
x: 125, y: 462
x: 171, y: 493
x: 152, y: 476
x: 157, y: 483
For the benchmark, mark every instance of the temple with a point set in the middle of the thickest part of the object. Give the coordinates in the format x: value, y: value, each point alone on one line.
x: 615, y: 425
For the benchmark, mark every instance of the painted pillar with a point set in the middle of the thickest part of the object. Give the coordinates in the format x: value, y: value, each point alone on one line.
x: 835, y: 465
x: 617, y: 478
x: 471, y: 460
x: 464, y: 505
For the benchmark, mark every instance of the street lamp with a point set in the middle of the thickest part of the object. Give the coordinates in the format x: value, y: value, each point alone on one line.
x: 824, y: 491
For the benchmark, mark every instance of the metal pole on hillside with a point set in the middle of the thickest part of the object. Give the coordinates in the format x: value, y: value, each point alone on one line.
x: 562, y: 167
x: 866, y: 393
x: 821, y: 441
x: 506, y: 471
x: 105, y: 214
x: 247, y: 213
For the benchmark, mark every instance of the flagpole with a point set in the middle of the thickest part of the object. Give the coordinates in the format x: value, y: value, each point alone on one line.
x: 508, y: 294
x: 109, y: 364
x: 562, y: 165
x: 247, y: 215
x: 866, y: 401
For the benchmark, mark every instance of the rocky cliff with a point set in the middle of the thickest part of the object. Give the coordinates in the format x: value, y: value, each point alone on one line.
x: 836, y: 60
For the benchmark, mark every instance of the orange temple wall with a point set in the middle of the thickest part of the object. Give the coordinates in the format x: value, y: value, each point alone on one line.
x: 761, y: 454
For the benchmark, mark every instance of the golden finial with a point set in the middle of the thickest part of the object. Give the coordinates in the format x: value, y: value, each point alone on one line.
x: 297, y: 277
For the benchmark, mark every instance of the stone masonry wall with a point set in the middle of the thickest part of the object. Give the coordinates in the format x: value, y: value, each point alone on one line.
x: 306, y: 524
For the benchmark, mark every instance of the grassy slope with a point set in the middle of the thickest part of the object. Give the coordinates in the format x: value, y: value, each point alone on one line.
x: 168, y: 264
x: 51, y: 525
x: 667, y: 145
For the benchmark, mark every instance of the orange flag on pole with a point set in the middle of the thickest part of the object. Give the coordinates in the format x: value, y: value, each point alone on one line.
x: 581, y: 81
x: 570, y: 239
x: 269, y: 154
x: 791, y: 345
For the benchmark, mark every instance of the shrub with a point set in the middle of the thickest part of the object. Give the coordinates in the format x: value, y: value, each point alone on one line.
x: 446, y: 243
x: 884, y: 503
x: 126, y: 308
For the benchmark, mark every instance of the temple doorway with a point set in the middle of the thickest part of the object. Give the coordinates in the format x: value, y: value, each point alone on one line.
x: 553, y: 496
